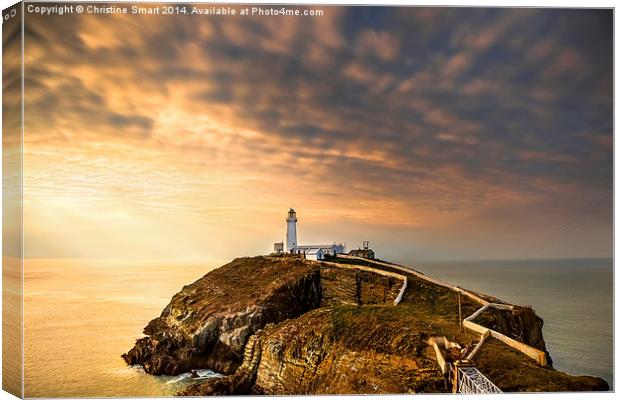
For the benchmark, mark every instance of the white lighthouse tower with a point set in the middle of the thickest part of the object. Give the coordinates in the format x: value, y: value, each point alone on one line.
x: 291, y: 230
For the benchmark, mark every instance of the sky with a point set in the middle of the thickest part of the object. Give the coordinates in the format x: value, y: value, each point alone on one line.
x: 434, y: 133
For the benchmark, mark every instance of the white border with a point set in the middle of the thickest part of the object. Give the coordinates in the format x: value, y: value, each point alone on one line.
x: 476, y: 3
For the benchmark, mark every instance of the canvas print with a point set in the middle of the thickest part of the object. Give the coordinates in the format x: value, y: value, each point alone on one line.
x: 299, y: 199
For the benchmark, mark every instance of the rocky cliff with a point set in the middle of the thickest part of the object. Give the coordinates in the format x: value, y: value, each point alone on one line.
x: 207, y: 324
x: 521, y: 324
x: 284, y: 325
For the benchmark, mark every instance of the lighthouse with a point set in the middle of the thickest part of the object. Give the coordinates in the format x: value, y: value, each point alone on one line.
x: 308, y: 251
x: 291, y: 230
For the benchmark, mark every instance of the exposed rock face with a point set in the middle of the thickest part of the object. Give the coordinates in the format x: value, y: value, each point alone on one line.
x: 342, y: 349
x: 207, y: 324
x: 522, y: 324
x: 283, y: 325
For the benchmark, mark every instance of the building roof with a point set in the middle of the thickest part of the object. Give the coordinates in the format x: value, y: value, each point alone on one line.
x: 314, y: 250
x: 318, y: 246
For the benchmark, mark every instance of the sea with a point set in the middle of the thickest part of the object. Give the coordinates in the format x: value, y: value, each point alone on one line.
x: 80, y: 316
x: 574, y: 297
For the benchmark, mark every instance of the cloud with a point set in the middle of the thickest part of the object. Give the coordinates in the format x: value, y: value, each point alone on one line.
x: 476, y: 87
x: 453, y: 137
x: 383, y: 45
x: 566, y: 61
x: 417, y: 118
x: 456, y: 65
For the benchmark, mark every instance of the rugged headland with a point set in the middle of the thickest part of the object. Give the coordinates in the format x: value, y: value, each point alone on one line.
x: 285, y: 325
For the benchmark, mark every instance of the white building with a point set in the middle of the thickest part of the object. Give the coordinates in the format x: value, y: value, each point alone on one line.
x: 311, y: 252
x: 315, y: 253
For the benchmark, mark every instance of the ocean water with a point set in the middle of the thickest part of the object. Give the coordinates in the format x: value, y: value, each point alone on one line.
x: 574, y: 297
x: 81, y: 316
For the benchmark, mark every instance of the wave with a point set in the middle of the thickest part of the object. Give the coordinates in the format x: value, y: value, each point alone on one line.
x: 196, y: 374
